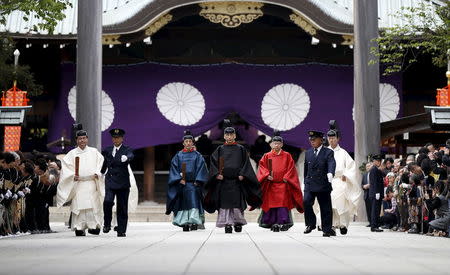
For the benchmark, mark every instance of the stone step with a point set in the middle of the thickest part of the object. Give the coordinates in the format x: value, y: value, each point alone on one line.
x: 146, y: 213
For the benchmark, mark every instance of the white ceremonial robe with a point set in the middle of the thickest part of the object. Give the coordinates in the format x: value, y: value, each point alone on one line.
x: 86, y: 195
x: 346, y: 195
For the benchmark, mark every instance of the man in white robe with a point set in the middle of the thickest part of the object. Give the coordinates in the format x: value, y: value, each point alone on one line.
x: 85, y: 190
x: 346, y: 193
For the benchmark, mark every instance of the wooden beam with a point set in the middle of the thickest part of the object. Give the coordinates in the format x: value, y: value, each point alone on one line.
x: 149, y: 174
x: 407, y: 124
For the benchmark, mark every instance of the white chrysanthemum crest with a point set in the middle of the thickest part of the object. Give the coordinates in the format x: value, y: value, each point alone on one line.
x: 107, y: 107
x: 181, y: 103
x: 285, y: 106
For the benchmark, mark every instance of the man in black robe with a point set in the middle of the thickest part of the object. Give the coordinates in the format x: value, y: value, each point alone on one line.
x: 232, y: 184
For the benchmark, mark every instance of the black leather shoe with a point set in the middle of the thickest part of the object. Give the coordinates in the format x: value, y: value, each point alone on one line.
x: 80, y: 233
x: 228, y: 229
x: 121, y: 234
x: 238, y: 228
x: 332, y: 233
x: 284, y: 227
x: 106, y: 229
x: 275, y: 228
x: 376, y: 229
x: 194, y: 227
x: 115, y: 228
x: 326, y: 234
x: 309, y: 229
x: 94, y: 231
x: 343, y: 230
x: 368, y: 225
x: 186, y: 228
x: 319, y: 228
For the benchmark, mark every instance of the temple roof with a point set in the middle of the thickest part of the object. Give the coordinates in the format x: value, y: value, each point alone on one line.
x: 128, y: 16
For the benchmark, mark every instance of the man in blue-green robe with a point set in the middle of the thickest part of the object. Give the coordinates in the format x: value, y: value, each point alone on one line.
x: 188, y: 173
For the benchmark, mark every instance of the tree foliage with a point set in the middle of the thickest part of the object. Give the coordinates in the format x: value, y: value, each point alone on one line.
x: 425, y: 31
x: 48, y: 13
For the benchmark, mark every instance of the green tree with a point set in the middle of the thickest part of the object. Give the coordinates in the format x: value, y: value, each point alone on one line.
x: 425, y: 31
x: 49, y: 12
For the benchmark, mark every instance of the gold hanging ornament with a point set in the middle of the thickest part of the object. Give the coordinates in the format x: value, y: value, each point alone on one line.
x: 303, y: 23
x: 231, y: 14
x: 158, y: 24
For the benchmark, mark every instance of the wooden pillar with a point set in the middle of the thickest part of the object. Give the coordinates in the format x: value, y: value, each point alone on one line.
x: 89, y: 69
x: 366, y: 95
x: 149, y: 174
x: 366, y: 81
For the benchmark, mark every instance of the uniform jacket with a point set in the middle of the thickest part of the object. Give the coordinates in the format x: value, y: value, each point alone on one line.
x: 117, y: 176
x: 376, y: 182
x: 317, y: 168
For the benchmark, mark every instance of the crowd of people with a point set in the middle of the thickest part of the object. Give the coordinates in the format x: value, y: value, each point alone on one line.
x: 415, y: 195
x: 416, y: 192
x: 28, y: 183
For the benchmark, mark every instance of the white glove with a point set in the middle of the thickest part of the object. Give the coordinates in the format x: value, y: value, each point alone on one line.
x: 21, y: 194
x: 1, y: 197
x: 405, y: 185
x: 377, y: 196
x: 330, y: 177
x: 9, y: 193
x: 15, y: 197
x: 7, y: 196
x: 124, y: 158
x: 27, y: 190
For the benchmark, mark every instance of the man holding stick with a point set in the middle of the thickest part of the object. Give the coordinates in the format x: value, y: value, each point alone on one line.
x: 233, y: 183
x: 280, y: 187
x: 80, y: 184
x: 188, y: 173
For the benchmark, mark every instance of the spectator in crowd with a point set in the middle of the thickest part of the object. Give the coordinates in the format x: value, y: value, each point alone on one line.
x: 28, y: 188
x: 439, y: 202
x: 365, y: 186
x: 389, y: 218
x: 388, y: 166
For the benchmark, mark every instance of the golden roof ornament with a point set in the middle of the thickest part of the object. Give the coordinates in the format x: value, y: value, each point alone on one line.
x: 231, y: 14
x: 303, y: 23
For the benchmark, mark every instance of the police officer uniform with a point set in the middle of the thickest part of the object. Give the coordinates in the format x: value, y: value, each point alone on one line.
x: 319, y: 171
x: 117, y: 183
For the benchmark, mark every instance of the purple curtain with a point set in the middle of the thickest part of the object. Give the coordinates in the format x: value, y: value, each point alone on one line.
x: 226, y: 88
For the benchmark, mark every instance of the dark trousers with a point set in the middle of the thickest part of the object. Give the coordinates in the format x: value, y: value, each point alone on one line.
x: 122, y: 208
x: 368, y: 204
x: 389, y: 219
x: 375, y: 213
x: 326, y: 213
x: 30, y: 215
x: 41, y: 214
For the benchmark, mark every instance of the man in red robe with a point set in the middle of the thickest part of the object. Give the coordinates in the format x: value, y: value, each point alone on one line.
x: 280, y: 187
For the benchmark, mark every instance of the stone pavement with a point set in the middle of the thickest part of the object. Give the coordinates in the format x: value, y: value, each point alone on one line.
x: 160, y: 248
